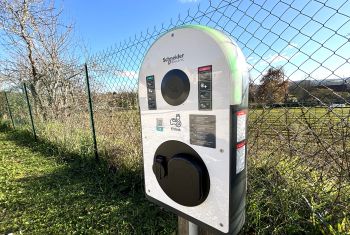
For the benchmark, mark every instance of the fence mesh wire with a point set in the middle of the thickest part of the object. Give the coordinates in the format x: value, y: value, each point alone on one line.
x: 18, y: 108
x: 299, y: 147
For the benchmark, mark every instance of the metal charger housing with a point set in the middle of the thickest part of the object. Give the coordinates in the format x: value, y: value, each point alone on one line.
x: 190, y: 48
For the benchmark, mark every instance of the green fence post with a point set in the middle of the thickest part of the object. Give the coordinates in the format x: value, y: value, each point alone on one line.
x: 91, y: 112
x: 29, y: 111
x: 9, y: 110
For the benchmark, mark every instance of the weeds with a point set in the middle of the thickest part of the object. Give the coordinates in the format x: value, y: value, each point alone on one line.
x: 47, y: 190
x: 290, y: 190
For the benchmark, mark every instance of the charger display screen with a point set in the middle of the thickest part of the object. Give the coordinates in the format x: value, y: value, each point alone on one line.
x: 151, y: 93
x: 205, y: 87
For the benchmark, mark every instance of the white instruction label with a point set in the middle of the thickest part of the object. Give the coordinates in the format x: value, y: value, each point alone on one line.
x: 241, y: 125
x: 240, y: 159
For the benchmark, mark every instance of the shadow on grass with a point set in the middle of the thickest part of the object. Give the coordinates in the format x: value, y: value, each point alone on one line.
x: 79, y: 195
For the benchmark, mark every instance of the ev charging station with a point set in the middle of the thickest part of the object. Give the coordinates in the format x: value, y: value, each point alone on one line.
x: 193, y: 98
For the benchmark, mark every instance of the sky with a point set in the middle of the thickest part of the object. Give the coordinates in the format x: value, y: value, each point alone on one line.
x: 309, y: 39
x: 106, y: 22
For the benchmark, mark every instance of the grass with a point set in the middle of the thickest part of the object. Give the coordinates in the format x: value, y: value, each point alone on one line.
x: 321, y: 120
x: 297, y: 183
x: 282, y: 199
x: 47, y: 190
x: 299, y: 171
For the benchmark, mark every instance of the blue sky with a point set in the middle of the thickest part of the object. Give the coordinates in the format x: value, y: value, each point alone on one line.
x: 270, y: 33
x: 308, y: 38
x: 106, y: 22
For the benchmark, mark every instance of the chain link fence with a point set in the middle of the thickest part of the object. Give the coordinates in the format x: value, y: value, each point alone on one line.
x: 15, y: 109
x: 299, y: 146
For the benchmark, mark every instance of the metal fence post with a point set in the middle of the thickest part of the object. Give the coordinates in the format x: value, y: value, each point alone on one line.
x: 30, y: 111
x: 91, y: 112
x: 185, y: 227
x: 9, y: 110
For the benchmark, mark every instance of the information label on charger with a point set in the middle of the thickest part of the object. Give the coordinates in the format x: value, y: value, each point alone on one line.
x: 240, y: 158
x: 151, y: 93
x: 241, y: 125
x: 205, y: 88
x: 203, y: 130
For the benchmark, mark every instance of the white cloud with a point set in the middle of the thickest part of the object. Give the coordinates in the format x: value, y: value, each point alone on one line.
x: 319, y: 73
x: 270, y: 60
x: 299, y: 66
x: 276, y: 58
x: 126, y: 74
x: 251, y: 59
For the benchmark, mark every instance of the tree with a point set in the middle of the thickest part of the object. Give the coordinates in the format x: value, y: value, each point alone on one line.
x: 253, y: 89
x: 37, y: 49
x: 273, y: 88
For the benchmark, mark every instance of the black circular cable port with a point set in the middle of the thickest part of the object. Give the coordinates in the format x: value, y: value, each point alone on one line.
x: 175, y: 87
x: 181, y: 173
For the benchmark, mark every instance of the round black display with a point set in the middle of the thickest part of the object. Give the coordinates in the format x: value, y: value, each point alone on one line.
x: 175, y: 87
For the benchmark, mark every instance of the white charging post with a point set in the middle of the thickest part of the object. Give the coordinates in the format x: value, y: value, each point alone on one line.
x: 193, y: 97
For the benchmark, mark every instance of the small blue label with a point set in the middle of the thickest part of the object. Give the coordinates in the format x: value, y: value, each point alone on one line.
x: 159, y: 124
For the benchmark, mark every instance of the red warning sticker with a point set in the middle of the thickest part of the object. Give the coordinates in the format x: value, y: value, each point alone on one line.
x: 204, y: 68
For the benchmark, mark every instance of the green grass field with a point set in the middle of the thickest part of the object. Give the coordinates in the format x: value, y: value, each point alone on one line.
x: 297, y: 176
x: 45, y: 190
x: 280, y: 120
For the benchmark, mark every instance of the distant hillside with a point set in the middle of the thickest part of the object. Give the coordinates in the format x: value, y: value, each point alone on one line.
x: 339, y: 84
x: 329, y: 91
x: 336, y: 81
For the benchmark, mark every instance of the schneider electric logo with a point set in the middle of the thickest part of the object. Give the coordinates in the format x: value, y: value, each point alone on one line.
x: 173, y: 59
